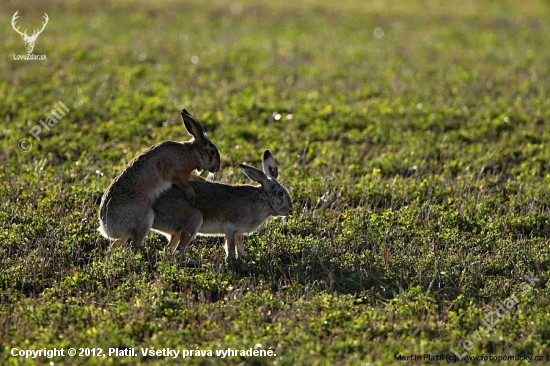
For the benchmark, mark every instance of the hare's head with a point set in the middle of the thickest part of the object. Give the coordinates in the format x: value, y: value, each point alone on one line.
x: 209, y: 156
x: 277, y: 195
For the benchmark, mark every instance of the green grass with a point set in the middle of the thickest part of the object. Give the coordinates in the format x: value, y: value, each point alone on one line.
x: 418, y: 163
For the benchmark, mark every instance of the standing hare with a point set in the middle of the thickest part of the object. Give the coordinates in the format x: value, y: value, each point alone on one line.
x: 230, y: 210
x: 126, y: 209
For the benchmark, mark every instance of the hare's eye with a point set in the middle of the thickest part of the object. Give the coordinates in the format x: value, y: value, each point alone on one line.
x: 280, y: 194
x: 212, y: 153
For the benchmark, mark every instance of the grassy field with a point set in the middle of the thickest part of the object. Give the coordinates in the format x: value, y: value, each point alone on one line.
x: 414, y: 138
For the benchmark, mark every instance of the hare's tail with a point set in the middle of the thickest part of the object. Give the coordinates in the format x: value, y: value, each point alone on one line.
x: 102, y: 230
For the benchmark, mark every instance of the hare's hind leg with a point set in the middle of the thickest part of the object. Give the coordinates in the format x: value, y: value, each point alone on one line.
x: 239, y: 244
x: 119, y: 242
x: 143, y: 228
x: 174, y: 241
x: 190, y: 229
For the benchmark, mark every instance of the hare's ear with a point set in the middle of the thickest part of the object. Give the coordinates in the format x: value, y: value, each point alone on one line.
x: 255, y: 174
x: 270, y: 166
x: 193, y: 126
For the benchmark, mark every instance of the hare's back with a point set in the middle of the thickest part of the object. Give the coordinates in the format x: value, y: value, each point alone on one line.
x: 142, y: 174
x: 217, y: 197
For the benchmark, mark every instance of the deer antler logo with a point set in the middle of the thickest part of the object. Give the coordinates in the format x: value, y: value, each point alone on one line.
x: 29, y: 40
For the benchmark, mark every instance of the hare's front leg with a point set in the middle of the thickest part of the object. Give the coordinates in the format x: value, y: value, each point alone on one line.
x: 188, y: 232
x: 239, y: 244
x: 190, y: 194
x: 229, y: 245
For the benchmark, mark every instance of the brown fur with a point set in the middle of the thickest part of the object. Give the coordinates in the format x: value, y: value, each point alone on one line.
x: 126, y: 207
x: 230, y: 210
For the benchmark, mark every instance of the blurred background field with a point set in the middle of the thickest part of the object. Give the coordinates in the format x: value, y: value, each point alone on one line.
x: 413, y: 136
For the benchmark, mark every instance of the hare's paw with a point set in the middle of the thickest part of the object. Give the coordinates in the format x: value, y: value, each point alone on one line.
x: 191, y: 196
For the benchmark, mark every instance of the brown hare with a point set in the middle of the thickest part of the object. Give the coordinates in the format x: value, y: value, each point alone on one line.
x: 126, y: 210
x: 230, y: 210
